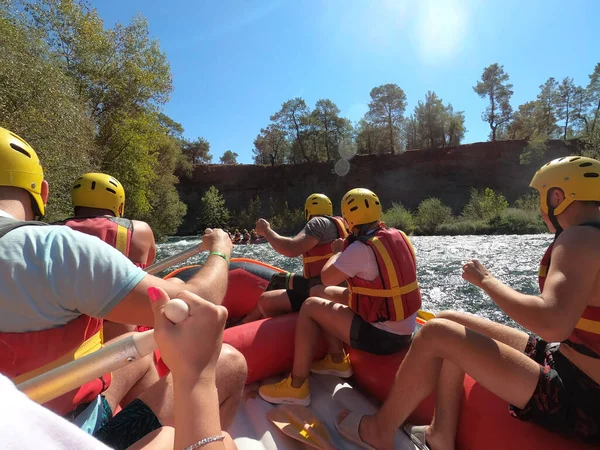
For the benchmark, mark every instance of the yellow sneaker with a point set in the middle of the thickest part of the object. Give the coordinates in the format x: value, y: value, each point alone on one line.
x: 326, y: 366
x: 283, y: 392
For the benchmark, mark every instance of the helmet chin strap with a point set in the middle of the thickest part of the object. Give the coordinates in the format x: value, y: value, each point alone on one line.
x: 553, y: 218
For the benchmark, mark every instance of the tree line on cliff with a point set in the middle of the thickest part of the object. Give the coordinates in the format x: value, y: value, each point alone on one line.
x: 561, y: 110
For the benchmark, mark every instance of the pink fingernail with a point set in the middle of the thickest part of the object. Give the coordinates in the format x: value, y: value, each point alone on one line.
x: 153, y: 293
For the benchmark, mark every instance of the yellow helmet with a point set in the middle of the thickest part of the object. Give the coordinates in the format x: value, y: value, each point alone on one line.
x: 99, y: 190
x: 20, y: 167
x: 317, y: 205
x: 577, y: 176
x: 361, y: 206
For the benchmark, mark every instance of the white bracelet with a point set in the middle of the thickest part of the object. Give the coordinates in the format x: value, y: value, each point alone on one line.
x: 205, y: 441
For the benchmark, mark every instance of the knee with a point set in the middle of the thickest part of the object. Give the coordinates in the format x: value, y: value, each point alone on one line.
x: 263, y: 304
x: 232, y: 368
x: 449, y: 315
x: 433, y: 332
x: 317, y: 291
x: 310, y: 305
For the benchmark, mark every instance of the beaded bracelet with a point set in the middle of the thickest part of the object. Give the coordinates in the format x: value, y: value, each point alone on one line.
x: 222, y: 255
x: 205, y: 441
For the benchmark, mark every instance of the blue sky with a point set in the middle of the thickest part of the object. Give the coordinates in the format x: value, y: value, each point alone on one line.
x: 234, y: 62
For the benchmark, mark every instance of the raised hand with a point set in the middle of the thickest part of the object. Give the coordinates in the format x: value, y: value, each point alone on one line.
x: 262, y: 226
x: 475, y: 272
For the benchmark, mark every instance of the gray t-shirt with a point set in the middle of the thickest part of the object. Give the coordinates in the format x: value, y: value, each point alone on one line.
x: 322, y: 229
x: 51, y: 275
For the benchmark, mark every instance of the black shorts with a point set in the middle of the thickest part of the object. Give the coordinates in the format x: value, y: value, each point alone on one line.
x: 370, y: 339
x: 134, y: 422
x: 301, y: 290
x: 565, y: 401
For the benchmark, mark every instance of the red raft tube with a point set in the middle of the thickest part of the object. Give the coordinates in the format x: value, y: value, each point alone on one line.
x: 268, y: 346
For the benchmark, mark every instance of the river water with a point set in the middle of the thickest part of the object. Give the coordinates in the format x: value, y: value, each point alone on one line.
x: 512, y: 259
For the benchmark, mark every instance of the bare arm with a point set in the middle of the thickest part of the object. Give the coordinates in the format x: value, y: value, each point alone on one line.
x: 567, y: 291
x: 209, y: 283
x: 331, y: 275
x: 290, y: 247
x: 196, y: 403
x: 143, y: 245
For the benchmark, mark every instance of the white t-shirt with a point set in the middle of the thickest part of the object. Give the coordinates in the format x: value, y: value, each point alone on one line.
x: 359, y: 260
x: 26, y: 425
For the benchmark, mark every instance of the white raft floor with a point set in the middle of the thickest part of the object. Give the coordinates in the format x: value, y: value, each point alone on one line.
x: 252, y: 430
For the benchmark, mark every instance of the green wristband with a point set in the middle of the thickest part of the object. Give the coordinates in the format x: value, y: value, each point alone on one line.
x: 287, y: 280
x: 222, y: 255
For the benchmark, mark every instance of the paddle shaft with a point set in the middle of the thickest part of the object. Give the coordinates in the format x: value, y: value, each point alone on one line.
x: 74, y: 374
x: 175, y: 259
x: 70, y: 376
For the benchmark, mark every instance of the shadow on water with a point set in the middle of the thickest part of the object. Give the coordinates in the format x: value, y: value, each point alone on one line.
x: 512, y: 259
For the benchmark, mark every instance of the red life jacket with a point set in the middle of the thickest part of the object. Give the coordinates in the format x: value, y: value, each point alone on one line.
x: 316, y: 257
x: 28, y: 354
x: 394, y: 295
x: 585, y: 337
x: 115, y: 231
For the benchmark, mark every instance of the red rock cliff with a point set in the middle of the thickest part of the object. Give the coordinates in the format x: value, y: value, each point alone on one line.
x: 408, y: 178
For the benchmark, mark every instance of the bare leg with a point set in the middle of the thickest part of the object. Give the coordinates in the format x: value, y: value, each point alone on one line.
x: 318, y: 315
x: 252, y: 316
x: 274, y: 303
x: 510, y: 336
x: 449, y: 394
x: 490, y: 362
x: 334, y: 293
x: 231, y: 375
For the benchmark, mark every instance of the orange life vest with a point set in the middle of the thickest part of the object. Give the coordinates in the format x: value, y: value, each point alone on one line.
x: 585, y: 337
x: 394, y: 295
x: 28, y: 354
x: 316, y: 257
x: 115, y: 231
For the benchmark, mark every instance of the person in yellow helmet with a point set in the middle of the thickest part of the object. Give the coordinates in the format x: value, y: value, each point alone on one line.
x: 550, y: 376
x: 287, y: 292
x: 59, y: 285
x: 376, y: 313
x: 99, y: 202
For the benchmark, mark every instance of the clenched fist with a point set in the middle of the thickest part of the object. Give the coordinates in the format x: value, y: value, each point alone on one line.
x: 475, y: 272
x: 262, y: 226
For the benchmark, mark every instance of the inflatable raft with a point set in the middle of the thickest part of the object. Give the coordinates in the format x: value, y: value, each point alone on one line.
x: 268, y: 346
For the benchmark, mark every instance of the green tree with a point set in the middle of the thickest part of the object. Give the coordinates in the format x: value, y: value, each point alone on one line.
x: 271, y: 146
x: 41, y: 103
x: 229, y: 157
x: 581, y: 106
x: 434, y: 125
x: 535, y: 150
x: 565, y: 99
x: 484, y: 205
x: 593, y: 91
x: 247, y: 217
x: 432, y: 213
x: 294, y: 118
x: 213, y: 212
x: 495, y: 86
x: 386, y: 109
x: 198, y: 151
x: 545, y: 114
x: 331, y: 128
x: 523, y: 124
x: 370, y: 138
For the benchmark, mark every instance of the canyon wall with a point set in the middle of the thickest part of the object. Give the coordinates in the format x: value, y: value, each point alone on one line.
x: 408, y: 178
